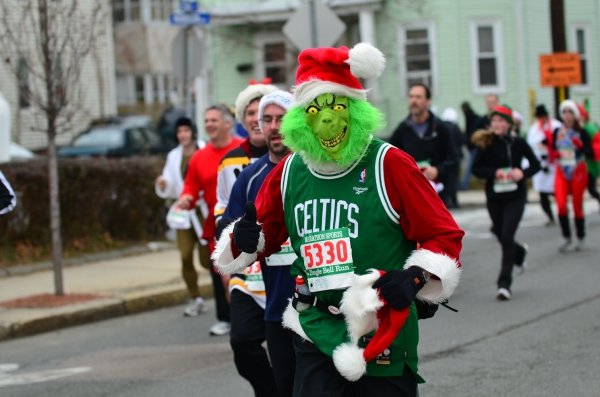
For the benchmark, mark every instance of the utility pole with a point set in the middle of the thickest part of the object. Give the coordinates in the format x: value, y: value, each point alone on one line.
x: 559, y: 44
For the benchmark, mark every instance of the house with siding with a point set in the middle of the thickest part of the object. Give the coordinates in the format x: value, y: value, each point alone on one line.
x: 97, y: 77
x: 463, y: 49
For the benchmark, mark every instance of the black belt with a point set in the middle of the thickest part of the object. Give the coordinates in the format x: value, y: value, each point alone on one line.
x: 314, y: 301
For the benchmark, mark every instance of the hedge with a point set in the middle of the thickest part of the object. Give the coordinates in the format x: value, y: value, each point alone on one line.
x: 105, y: 203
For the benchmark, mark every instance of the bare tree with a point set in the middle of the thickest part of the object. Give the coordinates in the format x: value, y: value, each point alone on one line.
x: 50, y: 41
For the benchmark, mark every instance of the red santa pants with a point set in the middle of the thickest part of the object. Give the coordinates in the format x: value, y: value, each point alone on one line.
x: 576, y: 187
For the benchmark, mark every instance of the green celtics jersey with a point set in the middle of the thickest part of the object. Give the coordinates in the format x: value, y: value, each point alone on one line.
x: 339, y: 224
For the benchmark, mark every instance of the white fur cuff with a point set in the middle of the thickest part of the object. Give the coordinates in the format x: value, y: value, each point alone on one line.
x: 291, y: 321
x: 223, y: 255
x: 440, y: 265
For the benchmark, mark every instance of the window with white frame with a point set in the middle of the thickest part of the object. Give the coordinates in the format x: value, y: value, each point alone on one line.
x: 417, y: 43
x: 274, y: 59
x: 487, y: 56
x: 580, y: 45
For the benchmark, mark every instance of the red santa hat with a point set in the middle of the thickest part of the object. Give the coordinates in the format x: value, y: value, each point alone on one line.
x: 365, y: 311
x: 336, y: 71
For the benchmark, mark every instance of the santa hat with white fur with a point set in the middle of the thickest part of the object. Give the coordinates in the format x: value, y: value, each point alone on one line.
x: 283, y: 99
x: 572, y: 106
x: 249, y: 94
x: 336, y: 71
x: 364, y: 311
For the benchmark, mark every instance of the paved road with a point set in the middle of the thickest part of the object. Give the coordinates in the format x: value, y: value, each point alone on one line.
x: 544, y: 342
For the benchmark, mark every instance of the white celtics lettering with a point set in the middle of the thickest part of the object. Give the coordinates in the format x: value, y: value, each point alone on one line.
x: 333, y: 214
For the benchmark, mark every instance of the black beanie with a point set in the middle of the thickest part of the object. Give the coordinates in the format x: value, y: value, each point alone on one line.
x: 185, y: 122
x: 541, y: 111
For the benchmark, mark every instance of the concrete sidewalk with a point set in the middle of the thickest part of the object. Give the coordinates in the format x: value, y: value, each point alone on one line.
x: 121, y: 286
x: 124, y: 285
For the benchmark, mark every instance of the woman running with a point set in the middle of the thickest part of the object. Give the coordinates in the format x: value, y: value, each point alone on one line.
x: 498, y: 161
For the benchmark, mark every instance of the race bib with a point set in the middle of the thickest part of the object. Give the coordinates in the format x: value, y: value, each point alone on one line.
x: 285, y: 257
x: 254, y: 277
x: 327, y: 259
x: 178, y: 219
x: 505, y: 185
x: 567, y: 157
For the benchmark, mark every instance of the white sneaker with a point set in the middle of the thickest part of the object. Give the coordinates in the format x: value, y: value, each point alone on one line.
x: 564, y: 247
x: 520, y: 269
x: 503, y: 294
x: 220, y: 328
x: 580, y: 244
x: 194, y: 307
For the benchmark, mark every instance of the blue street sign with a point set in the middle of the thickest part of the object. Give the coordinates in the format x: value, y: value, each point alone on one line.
x: 198, y: 18
x: 188, y: 6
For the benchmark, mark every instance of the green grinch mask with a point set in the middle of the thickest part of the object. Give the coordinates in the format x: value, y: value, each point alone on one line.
x: 327, y: 115
x: 331, y: 128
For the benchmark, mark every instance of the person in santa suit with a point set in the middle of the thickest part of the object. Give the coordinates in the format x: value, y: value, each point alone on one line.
x: 349, y: 203
x: 572, y: 145
x: 540, y: 139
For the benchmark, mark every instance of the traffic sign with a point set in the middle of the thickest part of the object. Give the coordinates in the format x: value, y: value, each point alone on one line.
x: 313, y: 25
x: 560, y: 69
x: 188, y: 6
x: 184, y: 19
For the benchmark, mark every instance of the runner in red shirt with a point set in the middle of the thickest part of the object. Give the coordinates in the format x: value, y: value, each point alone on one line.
x: 201, y: 178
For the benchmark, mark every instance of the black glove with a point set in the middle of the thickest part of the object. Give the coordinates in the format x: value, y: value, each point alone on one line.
x: 399, y: 288
x: 222, y: 223
x: 425, y: 309
x: 246, y: 231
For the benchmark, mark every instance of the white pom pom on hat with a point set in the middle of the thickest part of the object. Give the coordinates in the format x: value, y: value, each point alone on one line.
x: 360, y: 305
x: 337, y: 71
x: 366, y: 61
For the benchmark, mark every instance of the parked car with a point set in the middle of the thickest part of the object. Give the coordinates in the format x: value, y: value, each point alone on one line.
x: 122, y: 136
x: 19, y: 153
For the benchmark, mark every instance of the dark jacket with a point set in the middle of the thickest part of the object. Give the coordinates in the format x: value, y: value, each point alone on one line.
x: 472, y: 122
x: 436, y: 145
x: 504, y: 152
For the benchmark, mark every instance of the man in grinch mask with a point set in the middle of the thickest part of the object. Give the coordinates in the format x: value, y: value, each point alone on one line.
x: 348, y: 202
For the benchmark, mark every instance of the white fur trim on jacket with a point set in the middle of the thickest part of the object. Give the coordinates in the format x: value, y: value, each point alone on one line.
x: 440, y: 265
x: 291, y: 320
x: 359, y: 304
x: 223, y: 255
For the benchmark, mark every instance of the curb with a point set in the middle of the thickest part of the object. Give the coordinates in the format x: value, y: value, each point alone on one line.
x: 104, y: 309
x: 18, y: 270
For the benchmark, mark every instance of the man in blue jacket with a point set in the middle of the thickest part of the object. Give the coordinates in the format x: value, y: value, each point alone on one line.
x: 247, y: 324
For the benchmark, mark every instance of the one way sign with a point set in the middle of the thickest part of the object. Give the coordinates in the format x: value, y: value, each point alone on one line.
x: 560, y: 69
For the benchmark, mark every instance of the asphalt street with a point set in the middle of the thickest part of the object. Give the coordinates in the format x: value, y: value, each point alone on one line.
x: 544, y: 342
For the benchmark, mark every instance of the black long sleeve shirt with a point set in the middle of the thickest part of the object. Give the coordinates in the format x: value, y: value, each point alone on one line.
x: 505, y: 152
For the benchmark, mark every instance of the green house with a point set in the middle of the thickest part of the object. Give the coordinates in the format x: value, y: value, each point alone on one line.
x: 464, y: 49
